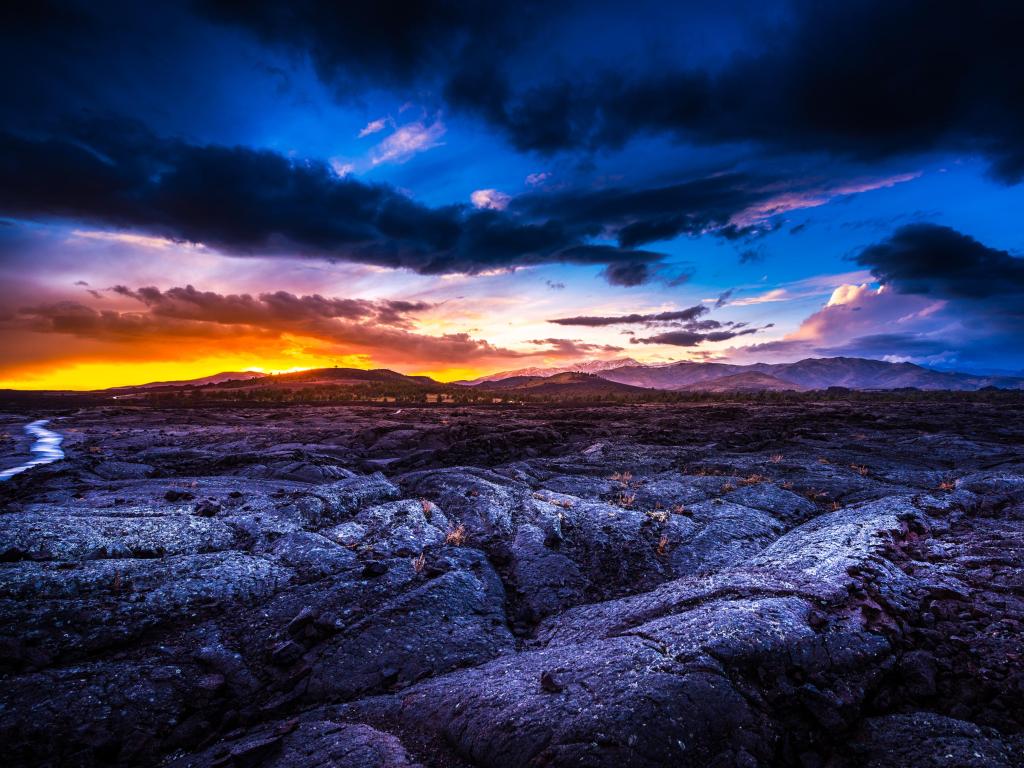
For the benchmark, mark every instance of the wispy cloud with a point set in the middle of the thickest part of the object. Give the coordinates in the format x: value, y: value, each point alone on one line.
x: 374, y: 126
x: 813, y: 197
x: 408, y: 140
x: 131, y: 238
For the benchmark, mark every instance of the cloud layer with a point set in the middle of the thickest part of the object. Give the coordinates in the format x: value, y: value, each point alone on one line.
x: 943, y: 297
x: 245, y: 201
x: 866, y: 79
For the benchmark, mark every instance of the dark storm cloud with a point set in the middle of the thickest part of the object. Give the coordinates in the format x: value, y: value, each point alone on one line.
x: 679, y: 315
x: 626, y: 275
x: 644, y: 215
x: 390, y: 42
x: 267, y: 309
x: 934, y: 260
x: 245, y: 201
x: 866, y: 79
x: 690, y: 338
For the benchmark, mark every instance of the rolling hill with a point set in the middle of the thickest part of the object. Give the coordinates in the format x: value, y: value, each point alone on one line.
x: 355, y: 376
x: 747, y: 381
x: 568, y: 384
x: 580, y: 366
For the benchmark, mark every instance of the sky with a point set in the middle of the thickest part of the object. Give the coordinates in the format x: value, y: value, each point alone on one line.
x: 457, y: 188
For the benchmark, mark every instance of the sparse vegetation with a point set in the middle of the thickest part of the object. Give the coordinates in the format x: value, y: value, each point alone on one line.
x: 456, y: 536
x: 419, y: 563
x: 753, y: 480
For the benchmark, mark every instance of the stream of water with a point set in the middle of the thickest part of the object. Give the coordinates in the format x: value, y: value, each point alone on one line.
x: 45, y: 450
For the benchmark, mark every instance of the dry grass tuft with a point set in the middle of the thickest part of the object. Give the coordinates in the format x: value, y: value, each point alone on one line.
x: 419, y: 563
x: 860, y: 469
x: 754, y: 479
x: 662, y: 545
x: 947, y: 485
x: 456, y: 536
x: 775, y: 458
x: 626, y: 499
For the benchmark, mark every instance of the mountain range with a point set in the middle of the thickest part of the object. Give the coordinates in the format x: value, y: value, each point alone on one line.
x: 809, y: 374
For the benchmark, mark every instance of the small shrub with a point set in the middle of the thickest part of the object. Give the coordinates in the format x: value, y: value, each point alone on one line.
x: 419, y: 563
x: 947, y: 485
x: 622, y: 477
x: 662, y: 545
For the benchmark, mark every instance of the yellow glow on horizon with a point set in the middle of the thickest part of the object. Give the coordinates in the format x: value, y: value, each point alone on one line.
x: 455, y: 374
x: 85, y: 376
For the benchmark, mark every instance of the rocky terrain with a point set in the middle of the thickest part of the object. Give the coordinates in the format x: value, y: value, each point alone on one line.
x: 832, y: 585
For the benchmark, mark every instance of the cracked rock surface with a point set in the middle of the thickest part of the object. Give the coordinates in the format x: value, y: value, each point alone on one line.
x: 837, y: 585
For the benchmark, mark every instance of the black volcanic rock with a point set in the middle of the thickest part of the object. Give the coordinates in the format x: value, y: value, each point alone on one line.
x: 832, y: 583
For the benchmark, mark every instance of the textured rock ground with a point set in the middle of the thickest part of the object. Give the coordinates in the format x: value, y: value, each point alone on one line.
x: 834, y: 585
